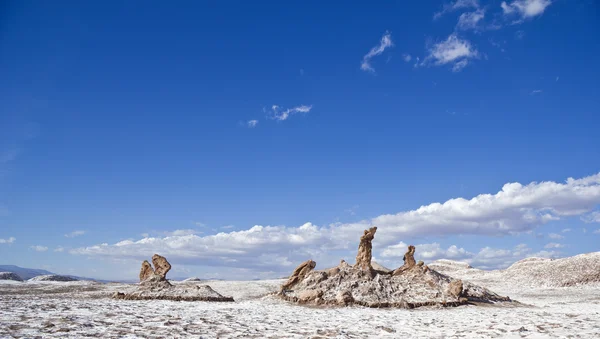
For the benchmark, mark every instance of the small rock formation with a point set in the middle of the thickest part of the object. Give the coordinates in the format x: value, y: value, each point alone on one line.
x: 146, y: 271
x: 412, y: 285
x: 409, y: 261
x: 10, y: 276
x: 299, y: 273
x: 161, y: 265
x: 364, y: 255
x: 155, y: 286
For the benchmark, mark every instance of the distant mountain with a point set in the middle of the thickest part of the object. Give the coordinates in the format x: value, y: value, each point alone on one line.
x: 28, y: 273
x: 24, y: 273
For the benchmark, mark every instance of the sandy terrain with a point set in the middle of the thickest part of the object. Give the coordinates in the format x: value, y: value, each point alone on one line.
x: 84, y: 309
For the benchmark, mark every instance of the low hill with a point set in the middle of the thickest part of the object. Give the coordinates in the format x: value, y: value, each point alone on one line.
x: 24, y: 273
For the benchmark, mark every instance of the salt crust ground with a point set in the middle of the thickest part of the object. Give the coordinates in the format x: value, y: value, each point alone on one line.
x: 84, y: 309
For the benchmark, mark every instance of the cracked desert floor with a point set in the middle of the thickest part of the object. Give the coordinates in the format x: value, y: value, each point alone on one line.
x: 85, y: 309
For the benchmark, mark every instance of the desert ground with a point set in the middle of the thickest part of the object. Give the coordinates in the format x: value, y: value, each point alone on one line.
x: 557, y: 305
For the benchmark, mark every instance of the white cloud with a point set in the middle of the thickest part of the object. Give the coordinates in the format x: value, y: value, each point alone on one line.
x: 252, y: 123
x: 59, y: 249
x: 386, y: 42
x: 515, y: 209
x: 74, y: 234
x: 8, y: 241
x: 427, y: 252
x: 554, y: 245
x: 279, y: 114
x: 406, y: 57
x: 453, y: 51
x: 536, y: 91
x: 470, y: 20
x: 458, y: 4
x: 555, y: 236
x: 565, y: 230
x: 591, y: 218
x: 178, y: 233
x: 227, y: 227
x: 525, y: 8
x: 597, y: 231
x: 39, y: 248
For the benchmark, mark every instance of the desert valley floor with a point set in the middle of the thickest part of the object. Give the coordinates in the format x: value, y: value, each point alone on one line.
x: 85, y: 309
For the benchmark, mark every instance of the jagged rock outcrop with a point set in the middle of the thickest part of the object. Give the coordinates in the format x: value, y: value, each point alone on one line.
x: 409, y: 261
x: 146, y: 271
x: 364, y: 255
x: 10, y: 276
x: 161, y: 265
x: 155, y: 286
x: 412, y: 285
x: 299, y: 273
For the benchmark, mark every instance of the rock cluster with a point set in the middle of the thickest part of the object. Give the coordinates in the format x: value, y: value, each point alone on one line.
x: 411, y: 285
x: 155, y: 286
x: 161, y: 268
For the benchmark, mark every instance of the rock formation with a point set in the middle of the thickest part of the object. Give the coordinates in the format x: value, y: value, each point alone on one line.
x: 299, y: 273
x: 409, y: 261
x: 161, y: 265
x: 146, y: 271
x: 155, y: 286
x: 363, y: 257
x: 411, y: 285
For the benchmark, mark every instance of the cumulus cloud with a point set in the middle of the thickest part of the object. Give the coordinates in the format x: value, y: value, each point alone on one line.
x: 452, y: 51
x: 470, y: 20
x: 555, y: 236
x: 386, y: 42
x: 8, y: 241
x: 74, y: 234
x: 280, y: 114
x: 455, y: 5
x: 515, y: 209
x: 525, y: 9
x: 39, y: 248
x: 427, y: 252
x: 252, y: 123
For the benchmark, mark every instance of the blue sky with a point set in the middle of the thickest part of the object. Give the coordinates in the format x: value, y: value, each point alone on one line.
x: 240, y: 138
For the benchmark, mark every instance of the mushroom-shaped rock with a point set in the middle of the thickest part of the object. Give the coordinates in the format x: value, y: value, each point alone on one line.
x: 146, y: 271
x: 161, y: 265
x: 409, y: 261
x: 299, y: 273
x: 364, y: 255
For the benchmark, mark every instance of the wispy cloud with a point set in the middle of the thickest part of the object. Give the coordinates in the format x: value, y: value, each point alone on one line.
x: 591, y: 218
x: 455, y: 5
x: 453, y: 51
x: 525, y: 9
x: 75, y: 234
x: 470, y: 20
x: 280, y: 114
x: 554, y: 245
x: 536, y: 91
x: 406, y: 57
x: 565, y: 230
x: 59, y: 249
x: 555, y: 236
x: 515, y: 209
x: 386, y: 42
x: 252, y: 123
x: 8, y: 241
x: 39, y: 248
